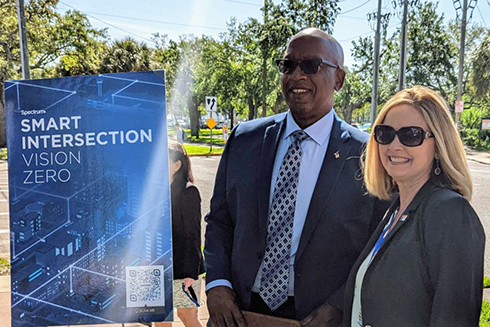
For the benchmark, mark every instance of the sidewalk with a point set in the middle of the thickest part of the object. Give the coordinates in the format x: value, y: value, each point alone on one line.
x: 5, y: 309
x: 481, y: 157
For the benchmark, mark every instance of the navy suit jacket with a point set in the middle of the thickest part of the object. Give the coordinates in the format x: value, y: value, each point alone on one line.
x: 340, y: 219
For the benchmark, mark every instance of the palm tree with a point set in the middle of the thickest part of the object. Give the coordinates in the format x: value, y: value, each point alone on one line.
x: 481, y: 68
x: 126, y: 55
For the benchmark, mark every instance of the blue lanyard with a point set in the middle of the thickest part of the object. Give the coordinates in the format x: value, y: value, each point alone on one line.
x: 191, y: 296
x: 384, y: 234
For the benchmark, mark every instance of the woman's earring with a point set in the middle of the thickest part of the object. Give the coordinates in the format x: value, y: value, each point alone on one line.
x: 437, y: 170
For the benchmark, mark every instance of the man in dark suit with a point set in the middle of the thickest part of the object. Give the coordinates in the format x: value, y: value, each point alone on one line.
x: 281, y: 198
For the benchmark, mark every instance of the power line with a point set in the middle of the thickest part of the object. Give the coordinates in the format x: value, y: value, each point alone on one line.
x: 157, y: 21
x: 352, y: 17
x: 111, y: 25
x: 483, y: 20
x: 371, y: 32
x: 355, y: 37
x: 151, y: 20
x: 350, y: 10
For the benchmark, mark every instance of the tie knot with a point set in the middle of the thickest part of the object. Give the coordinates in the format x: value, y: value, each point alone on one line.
x: 299, y: 136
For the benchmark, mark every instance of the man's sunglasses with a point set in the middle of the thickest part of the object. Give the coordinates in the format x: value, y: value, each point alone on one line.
x: 408, y: 136
x: 308, y: 66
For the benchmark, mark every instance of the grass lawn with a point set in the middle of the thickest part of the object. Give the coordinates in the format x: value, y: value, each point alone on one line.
x: 485, y: 314
x: 205, y: 136
x: 200, y: 149
x: 4, y: 267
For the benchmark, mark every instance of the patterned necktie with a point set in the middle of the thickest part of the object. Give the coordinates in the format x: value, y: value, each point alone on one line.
x: 274, y: 283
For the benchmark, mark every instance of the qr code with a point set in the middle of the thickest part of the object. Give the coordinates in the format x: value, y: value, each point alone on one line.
x: 144, y: 286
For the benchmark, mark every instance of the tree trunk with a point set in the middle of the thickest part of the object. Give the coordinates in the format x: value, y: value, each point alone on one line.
x: 232, y: 117
x: 194, y: 115
x: 348, y: 113
x: 251, y: 108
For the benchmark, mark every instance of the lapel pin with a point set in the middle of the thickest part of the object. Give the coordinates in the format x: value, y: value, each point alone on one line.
x: 336, y: 154
x: 404, y: 217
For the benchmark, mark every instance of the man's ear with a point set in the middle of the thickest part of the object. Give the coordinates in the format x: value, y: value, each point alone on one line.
x: 339, y: 79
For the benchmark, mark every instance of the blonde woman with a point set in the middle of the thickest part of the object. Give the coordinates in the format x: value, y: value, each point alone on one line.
x: 423, y: 266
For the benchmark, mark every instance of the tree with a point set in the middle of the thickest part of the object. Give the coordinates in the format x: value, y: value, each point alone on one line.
x: 86, y: 57
x: 480, y: 62
x: 353, y: 95
x: 432, y: 55
x: 50, y: 36
x: 126, y: 55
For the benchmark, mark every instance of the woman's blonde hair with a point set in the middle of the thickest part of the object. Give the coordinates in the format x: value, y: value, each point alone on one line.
x: 448, y: 146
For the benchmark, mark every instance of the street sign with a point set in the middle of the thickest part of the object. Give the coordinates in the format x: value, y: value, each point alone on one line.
x: 225, y: 133
x: 485, y: 123
x: 211, y: 123
x: 459, y: 106
x: 211, y: 104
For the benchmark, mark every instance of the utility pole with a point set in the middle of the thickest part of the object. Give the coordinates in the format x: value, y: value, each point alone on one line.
x: 265, y: 52
x: 24, y: 52
x: 459, y: 96
x: 461, y: 58
x: 377, y: 40
x: 403, y: 48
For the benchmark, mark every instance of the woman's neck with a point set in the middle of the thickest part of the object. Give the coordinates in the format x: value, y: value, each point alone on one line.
x: 407, y: 192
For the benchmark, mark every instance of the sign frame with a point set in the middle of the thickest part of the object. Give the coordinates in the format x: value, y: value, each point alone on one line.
x: 211, y: 104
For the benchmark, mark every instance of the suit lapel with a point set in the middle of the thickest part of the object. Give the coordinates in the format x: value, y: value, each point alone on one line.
x: 337, y: 152
x: 266, y: 163
x: 422, y: 194
x: 374, y: 238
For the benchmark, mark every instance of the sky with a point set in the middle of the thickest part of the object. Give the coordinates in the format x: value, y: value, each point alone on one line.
x: 140, y: 19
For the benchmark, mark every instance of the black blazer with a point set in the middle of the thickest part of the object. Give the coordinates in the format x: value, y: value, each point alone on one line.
x: 186, y: 231
x: 339, y: 222
x: 429, y: 271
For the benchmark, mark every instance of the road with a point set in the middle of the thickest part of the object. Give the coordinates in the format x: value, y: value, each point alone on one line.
x: 481, y: 202
x: 204, y: 169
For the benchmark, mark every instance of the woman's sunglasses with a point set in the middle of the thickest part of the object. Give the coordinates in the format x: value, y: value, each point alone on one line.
x: 308, y: 66
x: 408, y: 136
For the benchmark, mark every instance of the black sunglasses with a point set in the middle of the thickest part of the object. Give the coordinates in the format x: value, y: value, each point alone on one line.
x: 308, y: 66
x: 408, y: 136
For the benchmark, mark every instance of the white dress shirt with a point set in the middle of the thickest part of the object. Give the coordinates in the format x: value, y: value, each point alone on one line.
x: 313, y: 153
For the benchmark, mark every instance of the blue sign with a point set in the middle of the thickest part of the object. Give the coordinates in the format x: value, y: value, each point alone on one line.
x: 89, y: 200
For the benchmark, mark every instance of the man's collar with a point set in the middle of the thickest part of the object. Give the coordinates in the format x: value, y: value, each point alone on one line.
x: 318, y: 132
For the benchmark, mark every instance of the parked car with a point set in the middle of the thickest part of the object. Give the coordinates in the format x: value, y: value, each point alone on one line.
x: 366, y: 128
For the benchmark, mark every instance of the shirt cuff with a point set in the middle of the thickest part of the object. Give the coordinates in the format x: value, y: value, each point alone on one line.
x: 218, y: 282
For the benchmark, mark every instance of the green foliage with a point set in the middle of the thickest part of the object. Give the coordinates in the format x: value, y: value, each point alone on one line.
x: 481, y: 68
x: 206, y: 132
x: 238, y: 67
x: 470, y: 137
x: 486, y: 282
x: 201, y: 150
x: 126, y: 55
x: 3, y: 154
x: 433, y: 57
x: 4, y: 267
x: 471, y: 118
x: 204, y: 136
x: 485, y: 314
x: 50, y: 36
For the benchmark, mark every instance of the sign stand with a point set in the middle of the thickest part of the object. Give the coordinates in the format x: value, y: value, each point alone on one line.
x: 211, y: 106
